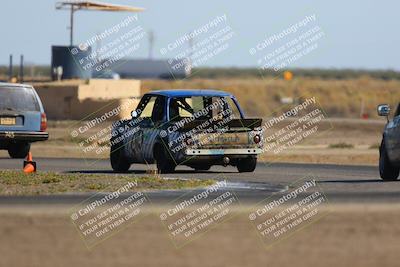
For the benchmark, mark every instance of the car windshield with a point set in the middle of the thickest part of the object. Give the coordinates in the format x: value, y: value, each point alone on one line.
x: 18, y: 98
x: 202, y: 107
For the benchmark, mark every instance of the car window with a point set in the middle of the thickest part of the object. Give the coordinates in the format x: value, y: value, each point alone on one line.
x: 397, y: 112
x: 184, y: 107
x: 18, y: 98
x: 158, y: 110
x: 152, y: 107
x: 233, y: 107
x: 146, y: 106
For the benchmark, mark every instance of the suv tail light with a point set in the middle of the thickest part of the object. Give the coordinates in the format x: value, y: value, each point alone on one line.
x: 43, y: 122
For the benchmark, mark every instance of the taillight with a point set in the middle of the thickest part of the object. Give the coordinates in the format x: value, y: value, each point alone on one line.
x: 189, y: 141
x: 43, y: 122
x: 257, y: 139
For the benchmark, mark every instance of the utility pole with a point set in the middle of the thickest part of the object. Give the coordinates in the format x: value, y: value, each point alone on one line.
x: 190, y: 56
x: 21, y: 69
x: 10, y: 68
x: 71, y: 26
x: 151, y: 44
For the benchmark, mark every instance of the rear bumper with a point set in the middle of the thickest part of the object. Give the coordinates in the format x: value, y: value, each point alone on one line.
x: 23, y: 136
x: 221, y: 152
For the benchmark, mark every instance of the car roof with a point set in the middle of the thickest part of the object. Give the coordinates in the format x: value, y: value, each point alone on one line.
x: 2, y: 84
x: 189, y: 92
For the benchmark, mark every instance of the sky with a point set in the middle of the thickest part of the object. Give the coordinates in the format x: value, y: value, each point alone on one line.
x: 356, y: 34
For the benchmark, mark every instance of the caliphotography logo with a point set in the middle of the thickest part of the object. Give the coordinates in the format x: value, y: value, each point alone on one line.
x: 199, y: 133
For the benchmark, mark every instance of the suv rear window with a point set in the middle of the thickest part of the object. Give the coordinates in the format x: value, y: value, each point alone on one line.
x: 18, y: 98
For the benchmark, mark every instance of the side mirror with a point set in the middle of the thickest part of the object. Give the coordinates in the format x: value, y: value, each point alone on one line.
x: 134, y: 113
x: 383, y: 110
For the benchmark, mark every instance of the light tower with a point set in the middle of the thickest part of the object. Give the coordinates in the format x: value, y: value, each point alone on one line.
x: 74, y: 6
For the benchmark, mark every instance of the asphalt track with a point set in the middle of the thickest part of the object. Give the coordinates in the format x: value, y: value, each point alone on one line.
x: 340, y: 184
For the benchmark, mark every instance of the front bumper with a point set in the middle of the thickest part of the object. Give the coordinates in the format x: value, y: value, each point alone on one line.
x: 23, y: 136
x: 221, y: 152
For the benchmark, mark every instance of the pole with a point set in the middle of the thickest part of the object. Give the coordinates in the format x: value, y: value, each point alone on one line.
x: 188, y: 69
x: 362, y: 108
x: 10, y: 71
x: 71, y: 28
x: 151, y: 44
x: 21, y: 69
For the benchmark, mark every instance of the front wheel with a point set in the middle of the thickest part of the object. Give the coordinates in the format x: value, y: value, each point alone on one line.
x: 247, y: 165
x: 19, y: 150
x: 387, y: 171
x: 164, y: 161
x: 118, y: 161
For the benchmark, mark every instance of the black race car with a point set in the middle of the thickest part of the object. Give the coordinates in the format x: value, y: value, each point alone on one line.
x: 389, y: 151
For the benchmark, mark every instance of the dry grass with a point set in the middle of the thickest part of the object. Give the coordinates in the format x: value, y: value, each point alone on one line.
x: 341, y: 145
x: 19, y: 183
x: 261, y: 97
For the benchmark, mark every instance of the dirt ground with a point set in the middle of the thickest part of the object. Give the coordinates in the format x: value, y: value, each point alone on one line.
x: 350, y: 235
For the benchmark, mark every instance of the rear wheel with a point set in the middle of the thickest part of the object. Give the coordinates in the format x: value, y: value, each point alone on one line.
x: 119, y: 163
x: 387, y: 171
x: 164, y: 161
x: 247, y: 165
x: 19, y: 150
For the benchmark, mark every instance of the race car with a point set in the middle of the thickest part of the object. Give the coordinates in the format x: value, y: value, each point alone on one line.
x: 196, y: 128
x: 389, y: 150
x: 22, y: 119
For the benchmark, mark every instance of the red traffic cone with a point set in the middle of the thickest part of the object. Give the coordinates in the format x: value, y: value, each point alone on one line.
x: 29, y: 165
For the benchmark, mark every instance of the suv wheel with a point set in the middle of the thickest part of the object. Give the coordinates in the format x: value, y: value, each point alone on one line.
x: 387, y: 171
x: 247, y: 165
x: 19, y: 150
x: 118, y: 161
x: 164, y: 162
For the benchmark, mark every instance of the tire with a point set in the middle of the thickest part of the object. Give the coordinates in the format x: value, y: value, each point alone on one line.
x: 387, y: 171
x: 118, y: 161
x: 247, y: 165
x: 164, y: 162
x: 19, y: 150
